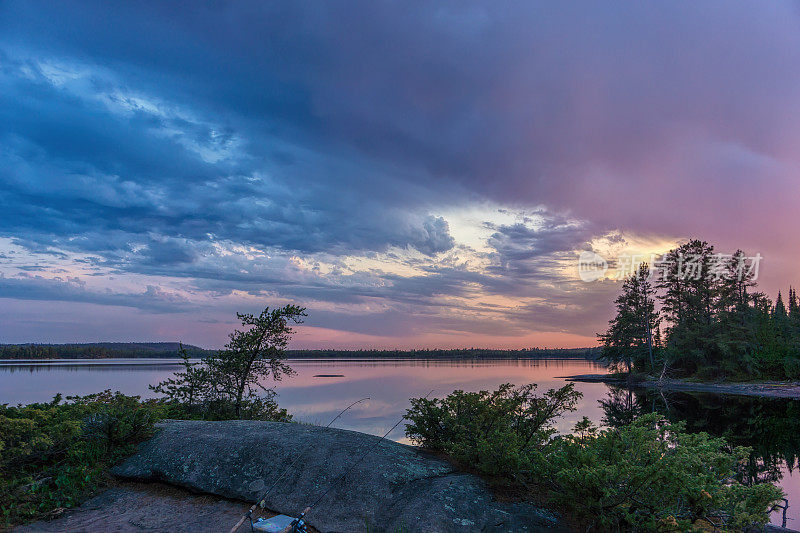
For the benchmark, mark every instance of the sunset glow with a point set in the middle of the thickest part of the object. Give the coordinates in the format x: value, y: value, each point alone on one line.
x: 417, y: 176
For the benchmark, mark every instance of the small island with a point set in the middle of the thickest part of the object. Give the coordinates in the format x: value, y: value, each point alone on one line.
x: 696, y: 323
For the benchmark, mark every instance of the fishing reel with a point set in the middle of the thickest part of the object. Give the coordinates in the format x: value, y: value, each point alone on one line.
x: 298, y: 526
x: 281, y: 524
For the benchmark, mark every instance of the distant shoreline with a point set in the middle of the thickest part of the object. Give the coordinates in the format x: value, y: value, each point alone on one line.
x: 764, y: 389
x: 97, y: 351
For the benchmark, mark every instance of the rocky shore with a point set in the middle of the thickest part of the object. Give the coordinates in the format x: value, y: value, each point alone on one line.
x: 131, y: 507
x: 394, y: 488
x: 202, y: 476
x: 766, y: 389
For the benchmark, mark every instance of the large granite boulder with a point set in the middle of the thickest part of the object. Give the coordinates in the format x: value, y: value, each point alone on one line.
x: 394, y: 488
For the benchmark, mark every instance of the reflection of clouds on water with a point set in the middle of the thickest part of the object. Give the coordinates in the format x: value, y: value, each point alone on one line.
x: 388, y: 383
x: 760, y: 423
x: 391, y: 383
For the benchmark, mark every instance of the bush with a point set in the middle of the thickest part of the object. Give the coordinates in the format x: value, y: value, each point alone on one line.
x: 262, y: 407
x: 194, y: 394
x: 649, y: 475
x: 791, y: 368
x: 495, y: 432
x: 231, y: 379
x: 52, y: 455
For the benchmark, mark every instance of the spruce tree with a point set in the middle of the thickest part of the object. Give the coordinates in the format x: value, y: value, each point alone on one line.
x: 779, y: 311
x: 688, y: 299
x: 794, y: 313
x: 780, y: 316
x: 628, y: 341
x: 734, y: 334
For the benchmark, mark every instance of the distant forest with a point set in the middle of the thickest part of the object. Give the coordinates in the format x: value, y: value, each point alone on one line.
x: 105, y: 350
x: 99, y: 350
x: 458, y: 353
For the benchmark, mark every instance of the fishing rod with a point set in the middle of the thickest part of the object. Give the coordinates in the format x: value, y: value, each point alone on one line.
x: 299, y: 520
x: 260, y: 501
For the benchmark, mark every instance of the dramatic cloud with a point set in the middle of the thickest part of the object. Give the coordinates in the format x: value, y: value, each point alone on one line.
x: 416, y: 173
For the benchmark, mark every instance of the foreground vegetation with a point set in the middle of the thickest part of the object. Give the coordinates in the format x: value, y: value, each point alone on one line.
x: 54, y: 455
x: 647, y: 475
x: 697, y: 315
x: 771, y: 427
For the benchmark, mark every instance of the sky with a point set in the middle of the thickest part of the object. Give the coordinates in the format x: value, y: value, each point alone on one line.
x: 416, y: 174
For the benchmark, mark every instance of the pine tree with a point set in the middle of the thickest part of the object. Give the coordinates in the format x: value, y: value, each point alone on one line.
x: 779, y: 311
x: 688, y: 306
x: 781, y: 318
x: 734, y: 334
x: 629, y: 338
x: 794, y: 312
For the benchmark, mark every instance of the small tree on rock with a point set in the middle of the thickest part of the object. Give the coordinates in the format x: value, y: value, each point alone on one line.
x: 254, y: 354
x: 226, y: 384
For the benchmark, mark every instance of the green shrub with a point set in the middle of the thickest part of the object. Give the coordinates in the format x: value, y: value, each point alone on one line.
x: 53, y: 455
x: 791, y: 368
x: 649, y: 475
x: 254, y: 407
x: 232, y: 378
x: 495, y: 432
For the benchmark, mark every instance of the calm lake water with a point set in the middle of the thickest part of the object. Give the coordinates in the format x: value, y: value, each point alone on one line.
x: 322, y: 388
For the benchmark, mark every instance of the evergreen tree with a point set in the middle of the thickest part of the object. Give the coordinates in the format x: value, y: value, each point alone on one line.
x: 794, y: 313
x: 734, y: 333
x: 779, y: 311
x: 794, y: 308
x: 781, y: 318
x: 629, y: 338
x: 688, y: 305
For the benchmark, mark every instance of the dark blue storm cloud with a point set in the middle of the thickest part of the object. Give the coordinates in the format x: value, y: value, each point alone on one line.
x: 223, y: 144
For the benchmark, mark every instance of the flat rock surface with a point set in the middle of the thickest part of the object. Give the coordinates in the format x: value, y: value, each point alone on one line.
x: 394, y: 488
x: 138, y: 507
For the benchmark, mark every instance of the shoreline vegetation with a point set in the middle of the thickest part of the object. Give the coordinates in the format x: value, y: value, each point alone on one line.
x: 763, y: 389
x: 695, y: 315
x: 643, y: 474
x: 646, y: 474
x: 169, y: 350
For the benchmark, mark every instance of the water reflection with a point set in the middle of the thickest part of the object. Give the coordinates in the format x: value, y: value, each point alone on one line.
x: 307, y: 395
x: 770, y: 426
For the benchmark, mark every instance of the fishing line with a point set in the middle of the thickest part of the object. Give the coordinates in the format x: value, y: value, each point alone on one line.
x: 275, y: 483
x: 374, y: 445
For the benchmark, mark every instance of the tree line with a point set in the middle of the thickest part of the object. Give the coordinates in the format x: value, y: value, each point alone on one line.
x: 99, y: 350
x: 173, y: 349
x: 699, y: 315
x: 454, y: 353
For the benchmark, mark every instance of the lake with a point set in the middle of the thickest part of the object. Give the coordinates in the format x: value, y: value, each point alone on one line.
x: 322, y: 388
